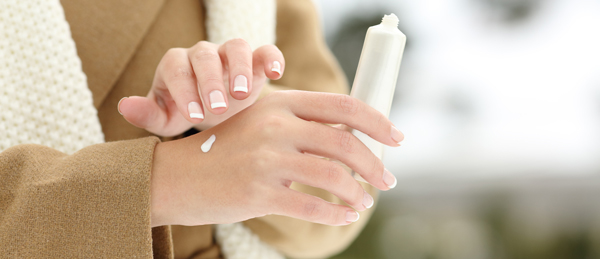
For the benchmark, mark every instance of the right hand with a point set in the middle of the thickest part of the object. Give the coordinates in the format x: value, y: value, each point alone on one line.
x: 259, y: 152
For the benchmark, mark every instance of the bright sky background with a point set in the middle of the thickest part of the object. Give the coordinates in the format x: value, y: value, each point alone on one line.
x: 531, y: 91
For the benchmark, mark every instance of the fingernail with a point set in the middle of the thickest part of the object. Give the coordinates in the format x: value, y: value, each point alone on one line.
x: 389, y: 179
x: 397, y: 136
x: 119, y: 105
x: 368, y: 200
x: 195, y: 110
x: 276, y: 67
x: 352, y: 216
x: 217, y: 100
x: 240, y: 84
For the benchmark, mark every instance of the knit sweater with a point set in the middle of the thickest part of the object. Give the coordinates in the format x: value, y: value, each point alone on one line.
x: 44, y: 97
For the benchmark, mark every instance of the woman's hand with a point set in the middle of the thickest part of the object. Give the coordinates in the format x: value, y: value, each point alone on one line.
x: 222, y: 80
x: 259, y: 152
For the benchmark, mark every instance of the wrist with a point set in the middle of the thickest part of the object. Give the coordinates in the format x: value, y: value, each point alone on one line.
x: 158, y: 188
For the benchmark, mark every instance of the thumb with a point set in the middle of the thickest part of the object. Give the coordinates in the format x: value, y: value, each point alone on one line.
x: 143, y: 113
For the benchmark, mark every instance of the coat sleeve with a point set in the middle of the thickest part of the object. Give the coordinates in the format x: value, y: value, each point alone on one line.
x: 309, y: 66
x: 93, y: 203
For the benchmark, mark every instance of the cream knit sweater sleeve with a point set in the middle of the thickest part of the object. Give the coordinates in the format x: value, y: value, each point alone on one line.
x: 44, y: 97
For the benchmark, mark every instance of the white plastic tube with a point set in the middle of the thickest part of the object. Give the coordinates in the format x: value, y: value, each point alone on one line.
x: 377, y: 71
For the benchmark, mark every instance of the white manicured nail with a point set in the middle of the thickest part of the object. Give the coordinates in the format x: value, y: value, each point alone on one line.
x: 276, y: 67
x: 217, y: 100
x: 195, y: 110
x: 368, y: 200
x: 352, y: 216
x: 240, y: 84
x: 389, y: 179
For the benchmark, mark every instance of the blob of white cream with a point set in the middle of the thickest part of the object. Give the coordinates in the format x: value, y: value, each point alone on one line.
x: 208, y: 143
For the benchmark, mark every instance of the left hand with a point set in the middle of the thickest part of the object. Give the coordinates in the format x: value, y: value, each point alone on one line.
x: 202, y: 86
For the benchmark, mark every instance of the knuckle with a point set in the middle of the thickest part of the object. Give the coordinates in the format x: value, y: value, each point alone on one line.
x: 244, y: 65
x: 172, y: 58
x: 263, y: 159
x: 211, y: 79
x: 204, y: 45
x: 204, y: 54
x: 271, y: 124
x: 178, y: 73
x: 240, y: 64
x: 376, y: 166
x: 239, y: 42
x: 334, y: 175
x: 255, y: 190
x: 347, y: 104
x: 271, y: 47
x: 173, y: 53
x: 346, y: 141
x: 312, y: 211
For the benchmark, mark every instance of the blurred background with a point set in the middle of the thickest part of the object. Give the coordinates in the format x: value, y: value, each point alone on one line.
x: 500, y: 104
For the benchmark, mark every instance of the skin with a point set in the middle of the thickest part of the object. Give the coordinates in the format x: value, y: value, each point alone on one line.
x: 259, y: 151
x: 186, y: 75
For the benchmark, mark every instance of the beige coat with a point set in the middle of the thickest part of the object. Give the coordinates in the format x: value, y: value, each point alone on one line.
x: 96, y: 202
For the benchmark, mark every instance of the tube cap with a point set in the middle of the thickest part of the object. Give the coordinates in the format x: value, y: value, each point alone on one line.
x: 390, y: 20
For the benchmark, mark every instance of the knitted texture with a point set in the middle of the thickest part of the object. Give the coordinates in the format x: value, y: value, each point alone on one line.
x: 44, y: 98
x: 253, y: 21
x: 239, y: 242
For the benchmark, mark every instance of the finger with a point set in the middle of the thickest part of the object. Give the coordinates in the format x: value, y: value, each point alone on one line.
x: 142, y: 112
x: 341, y: 145
x: 208, y: 69
x: 310, y: 208
x: 268, y: 60
x: 338, y: 108
x: 328, y: 176
x: 237, y: 55
x: 176, y: 74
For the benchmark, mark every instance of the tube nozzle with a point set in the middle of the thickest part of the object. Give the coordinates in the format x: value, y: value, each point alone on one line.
x: 390, y: 20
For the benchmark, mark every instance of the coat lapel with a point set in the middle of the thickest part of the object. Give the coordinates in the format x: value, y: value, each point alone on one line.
x: 107, y: 34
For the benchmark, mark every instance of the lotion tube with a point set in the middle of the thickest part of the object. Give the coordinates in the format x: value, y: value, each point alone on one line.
x: 377, y: 72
